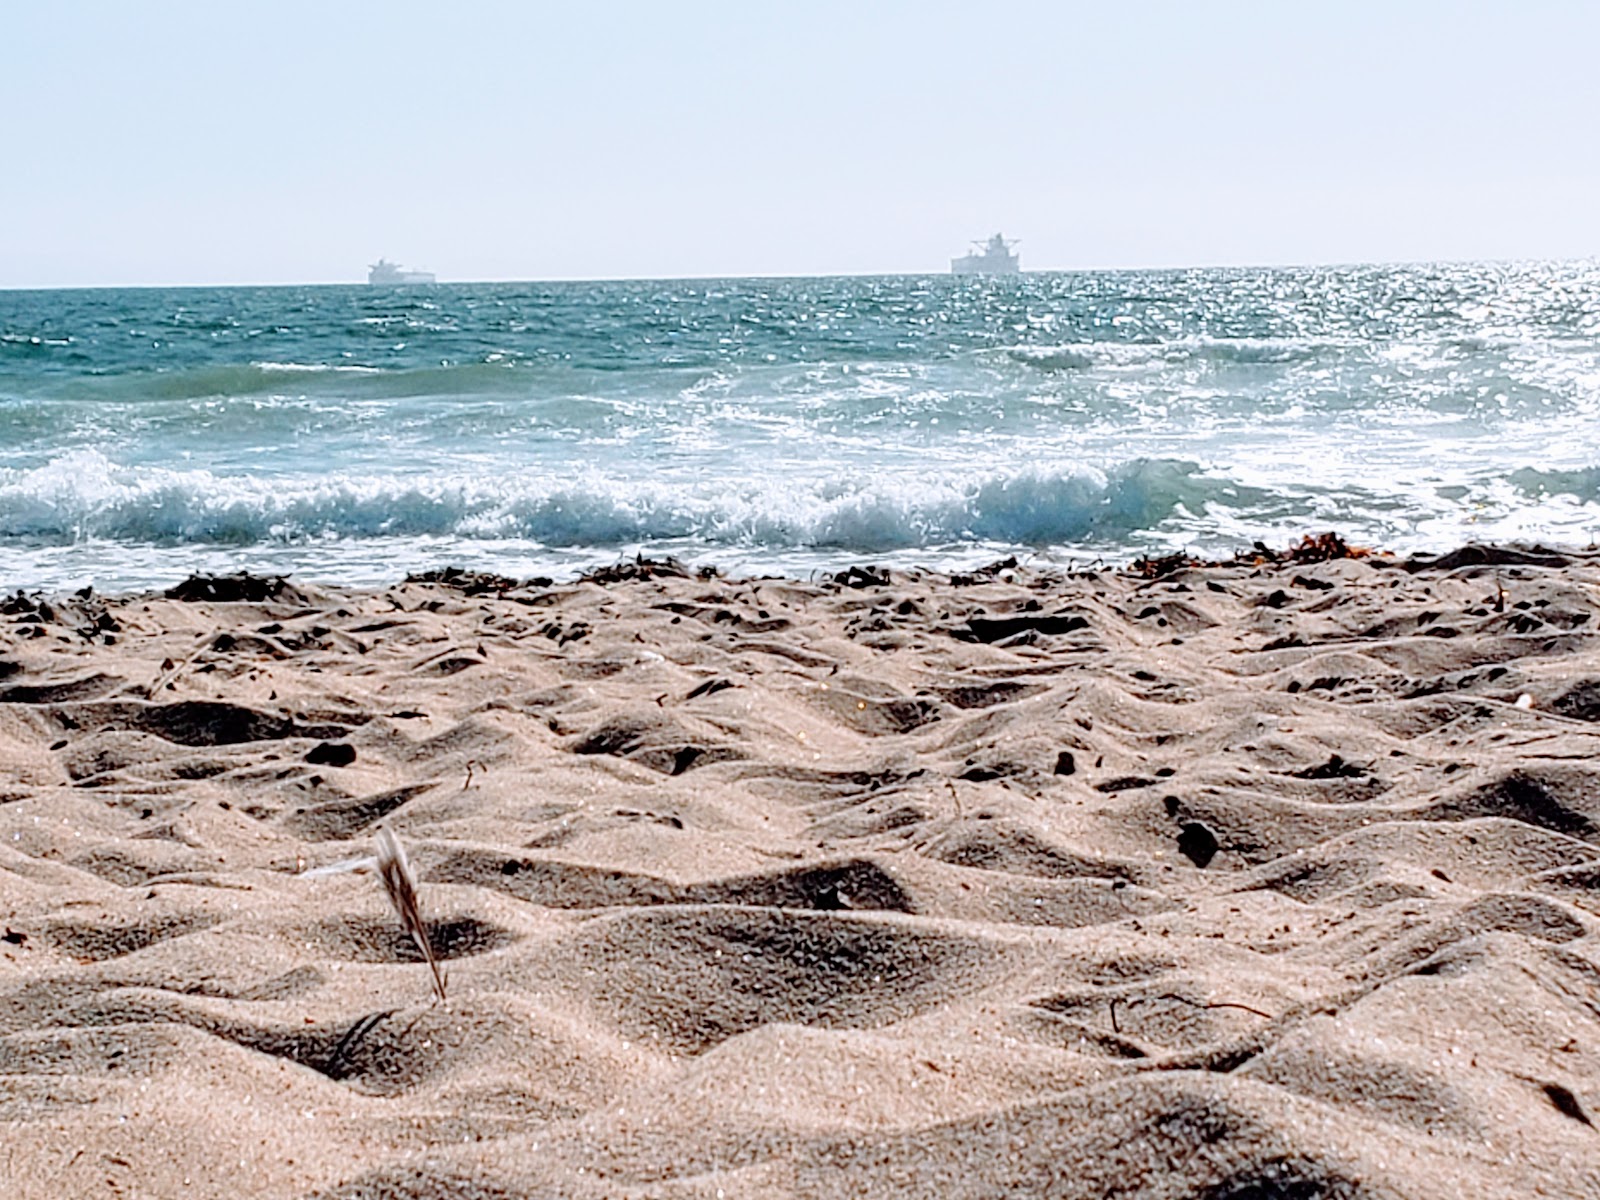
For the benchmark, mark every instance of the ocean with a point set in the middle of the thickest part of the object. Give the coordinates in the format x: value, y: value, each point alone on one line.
x: 791, y: 426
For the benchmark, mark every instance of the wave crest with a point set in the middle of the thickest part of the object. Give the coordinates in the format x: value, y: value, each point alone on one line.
x: 84, y: 495
x: 1121, y: 355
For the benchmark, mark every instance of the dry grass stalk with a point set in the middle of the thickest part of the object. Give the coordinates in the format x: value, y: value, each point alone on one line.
x: 401, y: 885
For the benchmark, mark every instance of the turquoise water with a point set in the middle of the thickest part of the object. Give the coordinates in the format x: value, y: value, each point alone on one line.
x: 790, y: 425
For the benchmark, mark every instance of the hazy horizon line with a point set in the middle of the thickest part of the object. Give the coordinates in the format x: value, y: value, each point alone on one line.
x: 1352, y: 264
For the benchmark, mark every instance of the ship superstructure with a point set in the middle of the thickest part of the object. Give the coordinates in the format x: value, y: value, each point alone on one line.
x: 385, y: 272
x: 993, y: 257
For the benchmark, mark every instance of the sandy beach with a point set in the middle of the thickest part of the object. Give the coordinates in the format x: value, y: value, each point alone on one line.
x: 1266, y: 878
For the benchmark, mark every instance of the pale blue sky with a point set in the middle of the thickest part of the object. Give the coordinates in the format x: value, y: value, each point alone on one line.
x: 167, y: 142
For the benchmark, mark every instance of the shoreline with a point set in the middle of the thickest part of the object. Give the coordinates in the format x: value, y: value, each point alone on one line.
x: 257, y: 585
x: 1184, y: 878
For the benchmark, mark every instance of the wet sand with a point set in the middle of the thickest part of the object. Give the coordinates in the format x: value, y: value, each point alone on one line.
x: 1259, y: 879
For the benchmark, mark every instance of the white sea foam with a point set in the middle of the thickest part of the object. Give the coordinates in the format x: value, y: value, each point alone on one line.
x: 85, y: 495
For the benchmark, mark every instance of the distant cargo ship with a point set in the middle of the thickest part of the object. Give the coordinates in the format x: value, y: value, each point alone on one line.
x: 383, y: 272
x: 993, y: 257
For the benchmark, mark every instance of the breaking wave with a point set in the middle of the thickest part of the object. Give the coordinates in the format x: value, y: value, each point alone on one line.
x: 84, y: 495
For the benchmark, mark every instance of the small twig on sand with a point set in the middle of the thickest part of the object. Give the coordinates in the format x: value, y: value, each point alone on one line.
x: 1115, y: 1028
x: 401, y: 885
x: 352, y: 1037
x: 172, y: 673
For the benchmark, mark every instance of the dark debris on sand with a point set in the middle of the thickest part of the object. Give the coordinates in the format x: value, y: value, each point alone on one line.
x: 236, y: 588
x: 640, y: 567
x: 1476, y: 554
x: 472, y: 583
x: 1321, y: 548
